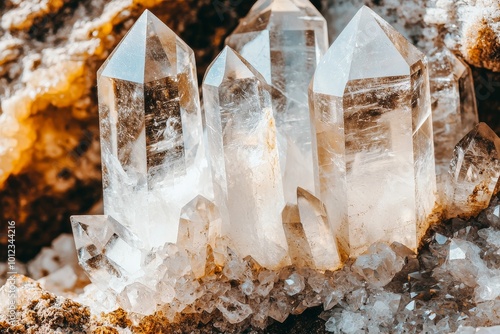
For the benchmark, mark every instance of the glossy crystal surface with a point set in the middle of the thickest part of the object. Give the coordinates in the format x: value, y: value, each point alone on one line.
x: 369, y: 99
x: 284, y: 40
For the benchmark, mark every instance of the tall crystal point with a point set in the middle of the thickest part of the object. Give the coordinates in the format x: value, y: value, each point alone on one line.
x: 454, y: 111
x: 243, y: 149
x: 153, y: 155
x: 284, y: 40
x: 370, y: 103
x: 473, y: 172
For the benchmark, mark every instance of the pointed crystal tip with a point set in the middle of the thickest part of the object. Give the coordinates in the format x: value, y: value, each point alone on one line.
x: 368, y: 47
x: 146, y: 53
x: 229, y: 64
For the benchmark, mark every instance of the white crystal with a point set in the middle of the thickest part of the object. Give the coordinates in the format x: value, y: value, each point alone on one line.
x: 369, y: 99
x: 152, y: 147
x: 464, y: 262
x: 138, y: 298
x: 351, y: 322
x: 488, y: 287
x: 60, y: 281
x: 243, y: 151
x: 294, y: 284
x: 233, y: 310
x: 378, y: 265
x: 284, y: 40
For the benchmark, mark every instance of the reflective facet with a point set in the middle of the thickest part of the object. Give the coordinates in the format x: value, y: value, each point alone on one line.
x: 153, y: 155
x: 284, y: 40
x: 107, y: 250
x: 243, y: 151
x: 369, y: 99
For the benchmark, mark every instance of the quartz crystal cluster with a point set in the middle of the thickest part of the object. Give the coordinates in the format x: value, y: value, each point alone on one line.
x: 301, y: 158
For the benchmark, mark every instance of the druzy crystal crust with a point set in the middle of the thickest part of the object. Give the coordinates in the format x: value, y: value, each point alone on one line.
x: 369, y: 100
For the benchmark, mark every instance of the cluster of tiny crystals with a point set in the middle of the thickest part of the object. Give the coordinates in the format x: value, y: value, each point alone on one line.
x: 308, y: 177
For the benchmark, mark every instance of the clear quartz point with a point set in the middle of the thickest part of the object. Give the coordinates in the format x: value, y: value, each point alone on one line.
x: 369, y: 99
x: 284, y: 40
x: 152, y: 148
x: 242, y: 146
x: 199, y: 226
x: 454, y: 111
x: 310, y: 239
x: 474, y: 171
x: 109, y: 253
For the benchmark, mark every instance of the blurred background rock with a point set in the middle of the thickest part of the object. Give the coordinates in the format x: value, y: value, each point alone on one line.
x: 50, y: 51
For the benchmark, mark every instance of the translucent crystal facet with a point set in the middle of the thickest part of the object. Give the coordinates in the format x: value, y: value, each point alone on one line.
x: 454, y: 111
x: 284, y: 40
x: 243, y: 151
x: 474, y: 172
x: 108, y: 251
x: 153, y: 155
x: 369, y: 99
x: 198, y: 227
x: 310, y: 239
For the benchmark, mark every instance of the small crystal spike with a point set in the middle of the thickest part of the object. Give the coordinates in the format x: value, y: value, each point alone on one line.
x: 370, y: 103
x: 152, y: 148
x: 243, y: 150
x: 298, y: 246
x: 454, y: 111
x: 311, y: 242
x: 108, y: 251
x: 199, y: 220
x: 284, y: 40
x: 474, y: 172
